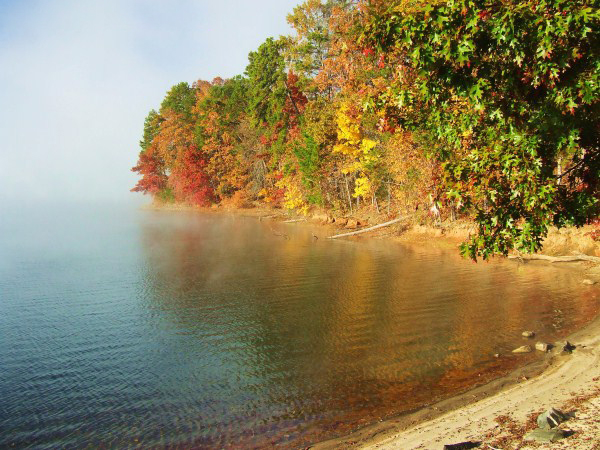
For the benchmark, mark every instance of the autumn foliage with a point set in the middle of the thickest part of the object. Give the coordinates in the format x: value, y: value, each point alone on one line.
x: 153, y: 179
x: 486, y: 110
x: 189, y: 179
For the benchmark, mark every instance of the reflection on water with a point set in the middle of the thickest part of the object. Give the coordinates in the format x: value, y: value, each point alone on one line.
x: 210, y: 330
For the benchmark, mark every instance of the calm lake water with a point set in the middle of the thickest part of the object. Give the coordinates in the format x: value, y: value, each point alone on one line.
x: 121, y: 327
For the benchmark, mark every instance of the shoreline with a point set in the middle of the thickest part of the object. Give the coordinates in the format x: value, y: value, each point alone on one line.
x: 563, y: 241
x: 499, y: 411
x: 555, y: 380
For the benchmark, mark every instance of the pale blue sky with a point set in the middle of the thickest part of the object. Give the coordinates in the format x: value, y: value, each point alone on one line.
x: 79, y: 76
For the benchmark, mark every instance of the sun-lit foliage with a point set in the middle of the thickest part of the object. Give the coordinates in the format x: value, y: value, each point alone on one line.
x: 508, y: 93
x: 360, y: 153
x: 487, y: 110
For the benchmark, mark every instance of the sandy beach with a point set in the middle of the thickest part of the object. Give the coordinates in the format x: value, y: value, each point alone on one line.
x: 568, y: 382
x: 498, y: 415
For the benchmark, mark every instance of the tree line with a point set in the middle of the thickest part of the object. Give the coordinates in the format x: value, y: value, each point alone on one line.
x: 484, y: 109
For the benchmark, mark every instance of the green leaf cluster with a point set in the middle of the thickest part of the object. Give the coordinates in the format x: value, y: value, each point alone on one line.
x: 506, y: 90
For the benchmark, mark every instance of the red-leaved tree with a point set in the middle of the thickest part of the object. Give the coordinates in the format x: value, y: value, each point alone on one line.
x: 295, y: 103
x: 189, y: 179
x: 151, y: 167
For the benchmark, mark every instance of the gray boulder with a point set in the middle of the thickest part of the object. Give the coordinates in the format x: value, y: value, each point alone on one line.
x: 551, y: 419
x: 545, y: 436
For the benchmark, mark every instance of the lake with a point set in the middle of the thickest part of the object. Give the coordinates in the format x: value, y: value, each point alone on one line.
x: 124, y: 327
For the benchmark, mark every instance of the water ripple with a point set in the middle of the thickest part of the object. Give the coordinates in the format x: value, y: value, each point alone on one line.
x: 205, y: 331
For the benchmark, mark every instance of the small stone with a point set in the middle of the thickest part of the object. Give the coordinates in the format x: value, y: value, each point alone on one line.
x: 542, y: 347
x: 462, y: 445
x: 523, y: 349
x: 551, y: 419
x: 567, y: 347
x: 545, y: 436
x: 528, y: 334
x: 589, y: 282
x: 496, y: 355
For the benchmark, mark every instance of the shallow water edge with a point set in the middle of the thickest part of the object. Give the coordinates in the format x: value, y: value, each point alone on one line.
x: 501, y: 378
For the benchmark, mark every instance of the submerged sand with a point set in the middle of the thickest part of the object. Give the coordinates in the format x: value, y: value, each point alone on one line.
x: 569, y: 382
x: 498, y: 414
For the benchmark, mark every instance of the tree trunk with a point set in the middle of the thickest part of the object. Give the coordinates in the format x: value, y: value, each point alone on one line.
x: 348, y: 192
x: 375, y: 202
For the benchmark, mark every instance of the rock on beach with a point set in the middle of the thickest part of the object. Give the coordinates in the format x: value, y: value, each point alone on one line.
x: 545, y: 436
x: 542, y: 347
x: 523, y: 349
x: 551, y: 419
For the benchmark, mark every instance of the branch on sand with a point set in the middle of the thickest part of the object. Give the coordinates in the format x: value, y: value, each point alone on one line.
x: 555, y: 259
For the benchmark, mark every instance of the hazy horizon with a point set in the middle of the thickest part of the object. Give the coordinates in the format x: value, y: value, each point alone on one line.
x: 79, y: 78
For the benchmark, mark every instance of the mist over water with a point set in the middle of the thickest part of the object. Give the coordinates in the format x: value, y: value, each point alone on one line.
x: 128, y: 327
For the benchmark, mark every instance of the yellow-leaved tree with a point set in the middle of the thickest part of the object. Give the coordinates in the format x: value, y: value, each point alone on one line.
x: 360, y: 154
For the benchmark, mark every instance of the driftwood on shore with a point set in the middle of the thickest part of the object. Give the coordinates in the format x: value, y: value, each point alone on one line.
x: 365, y: 230
x: 294, y: 220
x: 555, y: 259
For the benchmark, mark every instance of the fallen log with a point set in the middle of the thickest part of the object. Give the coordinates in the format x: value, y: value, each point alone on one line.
x: 365, y: 230
x: 294, y: 220
x: 555, y: 259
